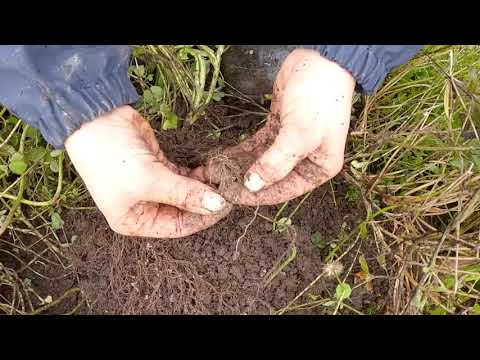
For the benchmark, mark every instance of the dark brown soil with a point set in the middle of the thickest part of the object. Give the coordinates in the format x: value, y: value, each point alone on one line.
x: 39, y: 274
x: 200, y: 274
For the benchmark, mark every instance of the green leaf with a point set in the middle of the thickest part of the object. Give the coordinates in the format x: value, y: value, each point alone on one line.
x: 456, y: 122
x: 12, y: 120
x: 381, y: 260
x: 17, y: 164
x: 218, y: 95
x: 54, y: 165
x: 138, y: 51
x: 147, y: 97
x: 157, y: 92
x: 33, y: 133
x: 15, y: 139
x: 435, y: 169
x: 183, y: 53
x: 317, y: 240
x: 363, y: 264
x: 430, y: 141
x: 138, y: 70
x: 476, y: 309
x: 170, y: 120
x: 35, y: 154
x: 352, y: 194
x: 476, y: 160
x: 57, y: 221
x: 343, y: 291
x: 363, y: 230
x: 456, y: 163
x: 438, y: 311
x: 18, y: 167
x: 55, y: 153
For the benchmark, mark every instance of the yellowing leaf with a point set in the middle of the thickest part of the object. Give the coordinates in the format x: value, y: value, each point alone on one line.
x: 363, y: 264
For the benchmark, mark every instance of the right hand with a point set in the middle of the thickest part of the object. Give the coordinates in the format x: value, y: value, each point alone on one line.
x: 137, y: 189
x: 302, y: 144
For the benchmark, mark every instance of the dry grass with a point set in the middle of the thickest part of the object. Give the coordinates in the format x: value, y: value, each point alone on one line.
x: 416, y: 150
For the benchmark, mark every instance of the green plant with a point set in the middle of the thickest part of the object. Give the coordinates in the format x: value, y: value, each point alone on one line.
x: 318, y: 241
x: 352, y: 194
x: 167, y: 73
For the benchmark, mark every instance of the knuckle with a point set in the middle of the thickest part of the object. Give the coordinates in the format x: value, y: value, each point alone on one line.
x: 331, y: 165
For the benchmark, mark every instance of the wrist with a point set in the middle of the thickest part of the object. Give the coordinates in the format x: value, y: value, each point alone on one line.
x: 90, y: 131
x: 337, y: 74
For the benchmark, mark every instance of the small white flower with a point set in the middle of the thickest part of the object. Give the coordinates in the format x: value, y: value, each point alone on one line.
x: 333, y: 269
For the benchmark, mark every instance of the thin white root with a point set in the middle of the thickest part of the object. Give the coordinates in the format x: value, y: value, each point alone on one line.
x: 236, y: 254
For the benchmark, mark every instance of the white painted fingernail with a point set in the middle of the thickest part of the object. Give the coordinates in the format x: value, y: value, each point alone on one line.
x: 254, y: 182
x: 213, y: 202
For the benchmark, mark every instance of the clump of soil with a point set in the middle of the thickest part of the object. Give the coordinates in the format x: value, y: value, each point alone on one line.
x: 227, y: 171
x: 200, y: 274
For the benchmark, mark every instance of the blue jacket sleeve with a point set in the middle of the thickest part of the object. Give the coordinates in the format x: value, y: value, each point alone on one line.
x: 368, y: 64
x: 58, y: 88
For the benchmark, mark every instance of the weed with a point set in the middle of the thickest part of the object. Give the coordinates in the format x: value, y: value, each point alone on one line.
x: 352, y: 194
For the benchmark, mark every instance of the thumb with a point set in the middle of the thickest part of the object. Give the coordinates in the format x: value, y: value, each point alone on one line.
x: 167, y: 187
x: 291, y: 146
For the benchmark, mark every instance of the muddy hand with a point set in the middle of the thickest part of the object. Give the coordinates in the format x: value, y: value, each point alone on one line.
x: 303, y: 143
x: 136, y: 188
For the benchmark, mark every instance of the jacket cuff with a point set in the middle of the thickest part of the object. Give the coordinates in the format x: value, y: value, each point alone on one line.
x: 363, y: 64
x: 70, y: 106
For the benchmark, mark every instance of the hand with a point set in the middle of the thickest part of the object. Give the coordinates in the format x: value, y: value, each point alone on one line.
x: 136, y: 188
x: 303, y: 142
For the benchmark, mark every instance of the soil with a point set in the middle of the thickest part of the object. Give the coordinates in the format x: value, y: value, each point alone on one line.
x: 41, y: 270
x: 221, y: 270
x: 202, y: 273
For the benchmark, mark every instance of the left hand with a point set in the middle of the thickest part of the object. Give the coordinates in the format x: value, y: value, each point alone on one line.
x: 137, y: 189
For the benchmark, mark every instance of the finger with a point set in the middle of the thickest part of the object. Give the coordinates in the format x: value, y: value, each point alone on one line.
x: 330, y: 155
x: 198, y: 174
x: 163, y: 221
x: 305, y: 177
x: 292, y: 144
x: 167, y: 187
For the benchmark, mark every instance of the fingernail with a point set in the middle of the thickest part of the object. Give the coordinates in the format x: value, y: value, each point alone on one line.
x: 213, y: 202
x: 254, y: 182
